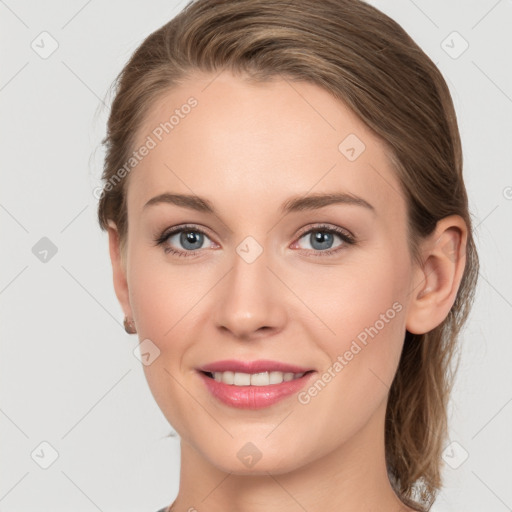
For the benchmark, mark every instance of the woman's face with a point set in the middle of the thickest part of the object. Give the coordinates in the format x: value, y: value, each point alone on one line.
x: 266, y: 276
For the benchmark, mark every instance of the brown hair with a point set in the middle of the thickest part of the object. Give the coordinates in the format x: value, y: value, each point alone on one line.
x: 365, y: 59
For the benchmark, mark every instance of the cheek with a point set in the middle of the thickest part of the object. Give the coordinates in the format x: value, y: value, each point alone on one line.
x: 163, y: 295
x: 363, y: 355
x: 365, y: 314
x: 345, y: 299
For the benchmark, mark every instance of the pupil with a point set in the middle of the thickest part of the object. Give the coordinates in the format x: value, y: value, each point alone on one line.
x: 322, y: 238
x: 191, y: 237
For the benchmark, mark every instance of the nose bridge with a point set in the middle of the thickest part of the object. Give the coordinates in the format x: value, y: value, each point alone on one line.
x: 250, y: 298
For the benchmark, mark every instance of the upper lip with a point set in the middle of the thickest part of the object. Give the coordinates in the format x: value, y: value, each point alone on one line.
x: 259, y: 366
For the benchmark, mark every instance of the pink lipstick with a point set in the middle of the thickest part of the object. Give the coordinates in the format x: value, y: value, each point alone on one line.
x: 253, y: 384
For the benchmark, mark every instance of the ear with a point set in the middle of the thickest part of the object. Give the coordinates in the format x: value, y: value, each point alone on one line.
x: 119, y: 270
x: 437, y: 281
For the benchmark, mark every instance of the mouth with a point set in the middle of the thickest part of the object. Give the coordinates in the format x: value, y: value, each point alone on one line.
x: 256, y: 387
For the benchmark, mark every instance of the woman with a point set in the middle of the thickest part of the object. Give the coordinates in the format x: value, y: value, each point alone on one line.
x: 290, y: 239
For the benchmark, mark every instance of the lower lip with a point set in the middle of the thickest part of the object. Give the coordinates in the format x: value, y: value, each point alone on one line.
x: 254, y: 397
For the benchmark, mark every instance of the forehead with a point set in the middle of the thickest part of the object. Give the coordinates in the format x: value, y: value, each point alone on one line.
x: 254, y: 144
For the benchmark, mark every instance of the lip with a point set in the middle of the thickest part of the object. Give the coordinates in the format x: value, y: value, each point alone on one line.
x: 261, y: 365
x: 253, y: 397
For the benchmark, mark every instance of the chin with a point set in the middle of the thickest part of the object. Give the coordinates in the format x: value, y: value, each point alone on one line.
x: 246, y: 459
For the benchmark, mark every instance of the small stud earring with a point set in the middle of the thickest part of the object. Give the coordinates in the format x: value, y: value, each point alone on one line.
x: 129, y: 326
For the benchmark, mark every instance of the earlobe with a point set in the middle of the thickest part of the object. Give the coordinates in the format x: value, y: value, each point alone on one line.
x: 437, y: 281
x: 118, y: 270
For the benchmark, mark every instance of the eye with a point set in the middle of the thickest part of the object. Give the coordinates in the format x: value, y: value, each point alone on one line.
x: 321, y: 239
x: 191, y: 238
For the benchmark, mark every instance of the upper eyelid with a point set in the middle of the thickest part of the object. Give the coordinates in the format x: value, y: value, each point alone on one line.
x: 339, y: 230
x: 187, y: 227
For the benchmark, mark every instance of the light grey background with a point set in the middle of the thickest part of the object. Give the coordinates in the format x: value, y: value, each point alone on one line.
x: 68, y: 374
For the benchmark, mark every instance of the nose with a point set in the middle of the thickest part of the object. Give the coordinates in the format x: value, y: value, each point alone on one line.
x: 250, y: 300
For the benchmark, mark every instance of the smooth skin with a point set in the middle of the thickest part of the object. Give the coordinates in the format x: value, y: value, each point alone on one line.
x: 248, y: 148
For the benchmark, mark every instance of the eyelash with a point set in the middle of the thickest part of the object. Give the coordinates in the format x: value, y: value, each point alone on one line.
x: 323, y: 228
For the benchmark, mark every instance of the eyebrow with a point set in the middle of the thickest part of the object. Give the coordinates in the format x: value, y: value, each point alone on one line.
x: 294, y: 204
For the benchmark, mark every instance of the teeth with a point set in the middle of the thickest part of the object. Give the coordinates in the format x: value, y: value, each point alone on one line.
x: 255, y: 379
